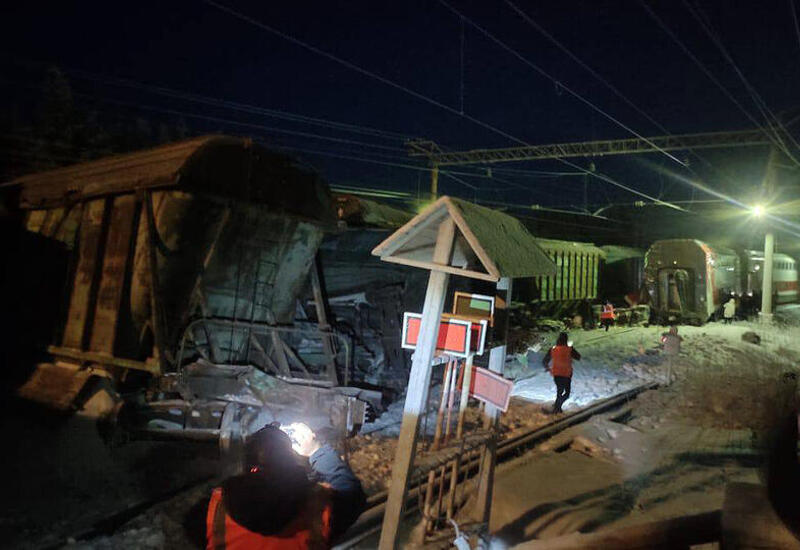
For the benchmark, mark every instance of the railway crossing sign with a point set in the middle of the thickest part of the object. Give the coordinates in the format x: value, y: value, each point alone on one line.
x: 490, y: 388
x: 457, y: 337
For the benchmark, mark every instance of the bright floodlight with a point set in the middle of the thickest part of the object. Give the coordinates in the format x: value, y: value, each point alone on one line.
x: 758, y: 211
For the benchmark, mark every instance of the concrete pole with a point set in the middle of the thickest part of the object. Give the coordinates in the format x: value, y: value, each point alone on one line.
x: 435, y: 181
x: 418, y: 381
x: 766, y: 288
x: 769, y: 186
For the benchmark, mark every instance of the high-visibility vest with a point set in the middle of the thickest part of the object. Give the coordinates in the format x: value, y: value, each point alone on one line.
x: 608, y: 312
x: 311, y: 529
x: 561, y: 361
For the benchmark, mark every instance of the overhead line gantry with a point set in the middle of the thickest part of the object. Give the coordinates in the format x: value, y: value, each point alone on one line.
x: 597, y: 148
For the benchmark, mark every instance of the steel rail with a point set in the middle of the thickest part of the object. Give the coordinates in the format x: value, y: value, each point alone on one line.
x: 370, y: 520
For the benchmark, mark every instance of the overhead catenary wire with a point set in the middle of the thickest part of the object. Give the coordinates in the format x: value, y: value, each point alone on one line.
x: 772, y: 120
x: 352, y: 66
x: 555, y: 81
x: 793, y: 11
x: 539, y: 28
x: 700, y: 65
x: 223, y: 103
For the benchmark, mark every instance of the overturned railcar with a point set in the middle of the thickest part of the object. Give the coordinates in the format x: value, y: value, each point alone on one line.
x: 366, y: 295
x: 193, y: 251
x: 688, y: 280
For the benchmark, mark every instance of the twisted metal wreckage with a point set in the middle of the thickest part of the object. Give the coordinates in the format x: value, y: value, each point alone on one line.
x: 185, y: 268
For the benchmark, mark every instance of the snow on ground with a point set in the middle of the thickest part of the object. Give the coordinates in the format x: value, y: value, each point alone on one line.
x: 626, y: 357
x: 675, y: 448
x: 609, y: 365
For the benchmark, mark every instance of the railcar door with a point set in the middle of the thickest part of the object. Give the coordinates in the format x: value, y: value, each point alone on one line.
x: 675, y: 289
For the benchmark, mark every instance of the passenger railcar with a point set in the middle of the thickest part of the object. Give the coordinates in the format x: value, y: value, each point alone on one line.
x: 688, y: 279
x: 784, y: 276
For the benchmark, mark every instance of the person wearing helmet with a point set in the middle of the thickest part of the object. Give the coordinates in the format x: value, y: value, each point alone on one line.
x: 275, y: 504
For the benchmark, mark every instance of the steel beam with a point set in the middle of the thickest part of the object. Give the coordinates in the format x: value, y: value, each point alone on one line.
x: 599, y: 148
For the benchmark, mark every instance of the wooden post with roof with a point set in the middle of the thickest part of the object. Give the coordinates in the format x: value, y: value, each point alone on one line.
x: 451, y: 237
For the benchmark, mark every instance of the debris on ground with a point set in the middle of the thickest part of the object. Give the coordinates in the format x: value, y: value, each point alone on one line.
x: 751, y: 337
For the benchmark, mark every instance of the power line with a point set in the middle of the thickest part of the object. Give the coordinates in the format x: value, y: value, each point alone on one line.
x: 416, y: 94
x: 702, y: 67
x: 770, y: 117
x: 602, y: 80
x: 253, y: 125
x: 221, y: 120
x: 555, y: 81
x: 794, y: 20
x: 227, y: 104
x: 586, y: 67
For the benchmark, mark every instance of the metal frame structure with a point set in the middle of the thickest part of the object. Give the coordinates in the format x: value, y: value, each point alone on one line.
x: 598, y: 148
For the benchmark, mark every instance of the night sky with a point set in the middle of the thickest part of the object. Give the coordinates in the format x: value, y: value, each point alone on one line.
x: 195, y: 48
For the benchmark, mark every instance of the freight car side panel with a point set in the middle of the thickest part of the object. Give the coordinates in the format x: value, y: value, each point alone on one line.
x: 576, y: 279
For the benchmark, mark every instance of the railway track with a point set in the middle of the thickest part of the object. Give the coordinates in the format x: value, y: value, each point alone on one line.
x: 370, y: 521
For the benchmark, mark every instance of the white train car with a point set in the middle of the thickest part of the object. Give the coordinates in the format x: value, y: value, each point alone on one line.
x: 784, y: 276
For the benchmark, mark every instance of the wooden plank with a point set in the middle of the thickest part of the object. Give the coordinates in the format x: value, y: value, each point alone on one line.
x: 114, y: 274
x: 102, y: 359
x: 437, y: 435
x: 438, y: 267
x: 419, y: 380
x: 487, y: 262
x: 466, y: 382
x: 54, y: 385
x: 491, y: 417
x: 156, y: 313
x: 418, y: 223
x: 85, y: 272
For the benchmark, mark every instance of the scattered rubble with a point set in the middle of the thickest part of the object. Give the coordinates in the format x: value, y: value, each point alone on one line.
x: 751, y: 337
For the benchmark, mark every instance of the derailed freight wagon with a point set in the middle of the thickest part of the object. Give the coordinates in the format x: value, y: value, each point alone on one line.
x: 368, y: 296
x: 688, y: 280
x: 185, y: 266
x: 572, y: 289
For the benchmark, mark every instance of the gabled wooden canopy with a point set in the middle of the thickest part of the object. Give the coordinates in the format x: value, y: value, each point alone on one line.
x: 488, y: 244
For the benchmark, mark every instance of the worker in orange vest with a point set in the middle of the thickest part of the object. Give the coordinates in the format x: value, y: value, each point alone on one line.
x: 559, y: 362
x: 274, y: 505
x: 607, y: 315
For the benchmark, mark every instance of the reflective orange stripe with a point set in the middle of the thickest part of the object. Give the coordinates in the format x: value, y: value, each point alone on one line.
x: 216, y: 520
x: 608, y: 312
